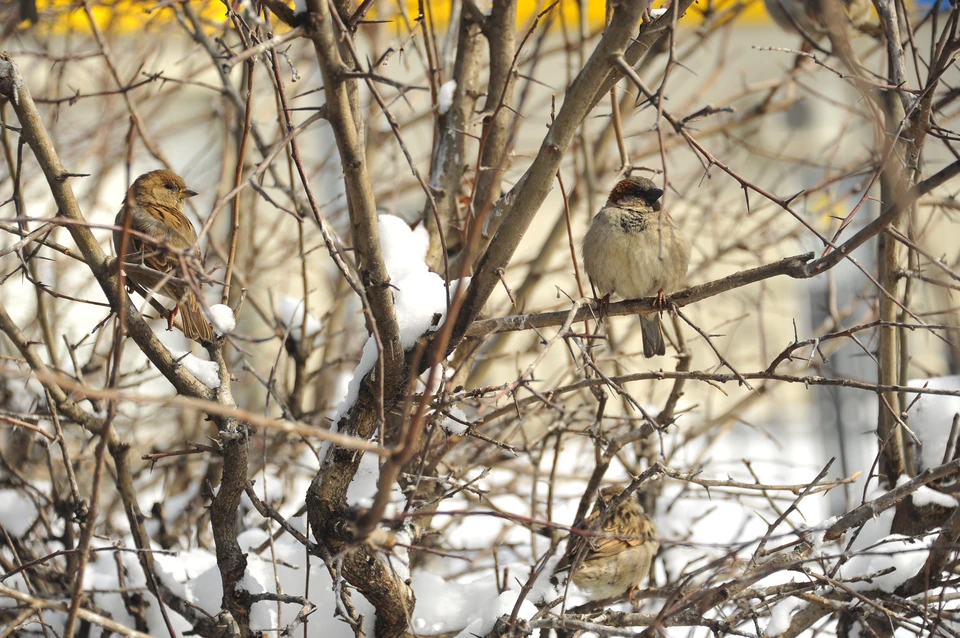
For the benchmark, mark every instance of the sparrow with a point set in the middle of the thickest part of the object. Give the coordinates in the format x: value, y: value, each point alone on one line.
x: 611, y: 563
x: 155, y: 202
x: 635, y: 249
x: 809, y: 14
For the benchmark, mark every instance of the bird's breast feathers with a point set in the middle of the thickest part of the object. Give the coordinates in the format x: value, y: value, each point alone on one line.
x: 633, y: 254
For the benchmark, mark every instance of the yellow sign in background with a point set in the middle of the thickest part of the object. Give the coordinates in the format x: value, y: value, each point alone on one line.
x: 122, y: 16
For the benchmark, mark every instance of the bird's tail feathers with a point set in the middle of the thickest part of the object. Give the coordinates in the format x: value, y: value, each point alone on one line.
x: 195, y: 325
x: 652, y: 335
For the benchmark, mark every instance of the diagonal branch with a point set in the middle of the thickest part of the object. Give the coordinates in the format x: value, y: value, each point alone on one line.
x: 519, y: 206
x: 871, y: 509
x: 883, y: 220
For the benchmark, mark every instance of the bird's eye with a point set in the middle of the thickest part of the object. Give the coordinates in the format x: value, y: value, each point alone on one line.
x: 170, y: 186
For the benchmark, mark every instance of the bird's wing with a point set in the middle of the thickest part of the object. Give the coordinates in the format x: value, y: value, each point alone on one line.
x: 164, y: 225
x: 618, y: 539
x: 601, y: 547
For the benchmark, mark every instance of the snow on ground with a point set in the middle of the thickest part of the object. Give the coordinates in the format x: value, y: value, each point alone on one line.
x: 781, y: 615
x: 17, y: 514
x: 695, y: 527
x: 903, y: 555
x: 193, y: 575
x: 471, y: 607
x: 461, y: 595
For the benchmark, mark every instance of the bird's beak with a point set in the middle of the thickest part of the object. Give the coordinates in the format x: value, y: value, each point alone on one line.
x: 654, y: 194
x: 189, y: 192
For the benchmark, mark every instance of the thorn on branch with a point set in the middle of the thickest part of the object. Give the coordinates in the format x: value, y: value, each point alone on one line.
x: 786, y: 202
x: 513, y: 301
x: 65, y: 176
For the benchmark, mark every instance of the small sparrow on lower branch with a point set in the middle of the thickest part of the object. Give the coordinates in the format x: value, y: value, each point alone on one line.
x: 635, y: 249
x: 611, y: 562
x: 155, y: 204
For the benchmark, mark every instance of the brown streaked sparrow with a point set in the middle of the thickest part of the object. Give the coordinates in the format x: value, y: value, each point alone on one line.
x: 156, y: 202
x: 611, y: 562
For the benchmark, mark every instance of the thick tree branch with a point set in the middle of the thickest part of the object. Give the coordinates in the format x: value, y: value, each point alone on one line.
x: 449, y: 147
x: 326, y: 495
x: 500, y: 30
x: 363, y: 208
x: 870, y: 509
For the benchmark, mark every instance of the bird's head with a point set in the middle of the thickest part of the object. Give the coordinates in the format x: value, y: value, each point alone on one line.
x: 161, y: 188
x: 608, y: 493
x: 635, y: 190
x: 628, y: 514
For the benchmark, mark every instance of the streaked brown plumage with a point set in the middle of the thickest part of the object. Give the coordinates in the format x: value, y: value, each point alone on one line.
x: 612, y: 563
x: 156, y: 202
x: 634, y: 249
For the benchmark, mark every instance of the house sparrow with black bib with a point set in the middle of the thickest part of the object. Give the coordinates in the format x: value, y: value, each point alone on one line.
x: 635, y: 249
x: 611, y: 563
x: 156, y: 203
